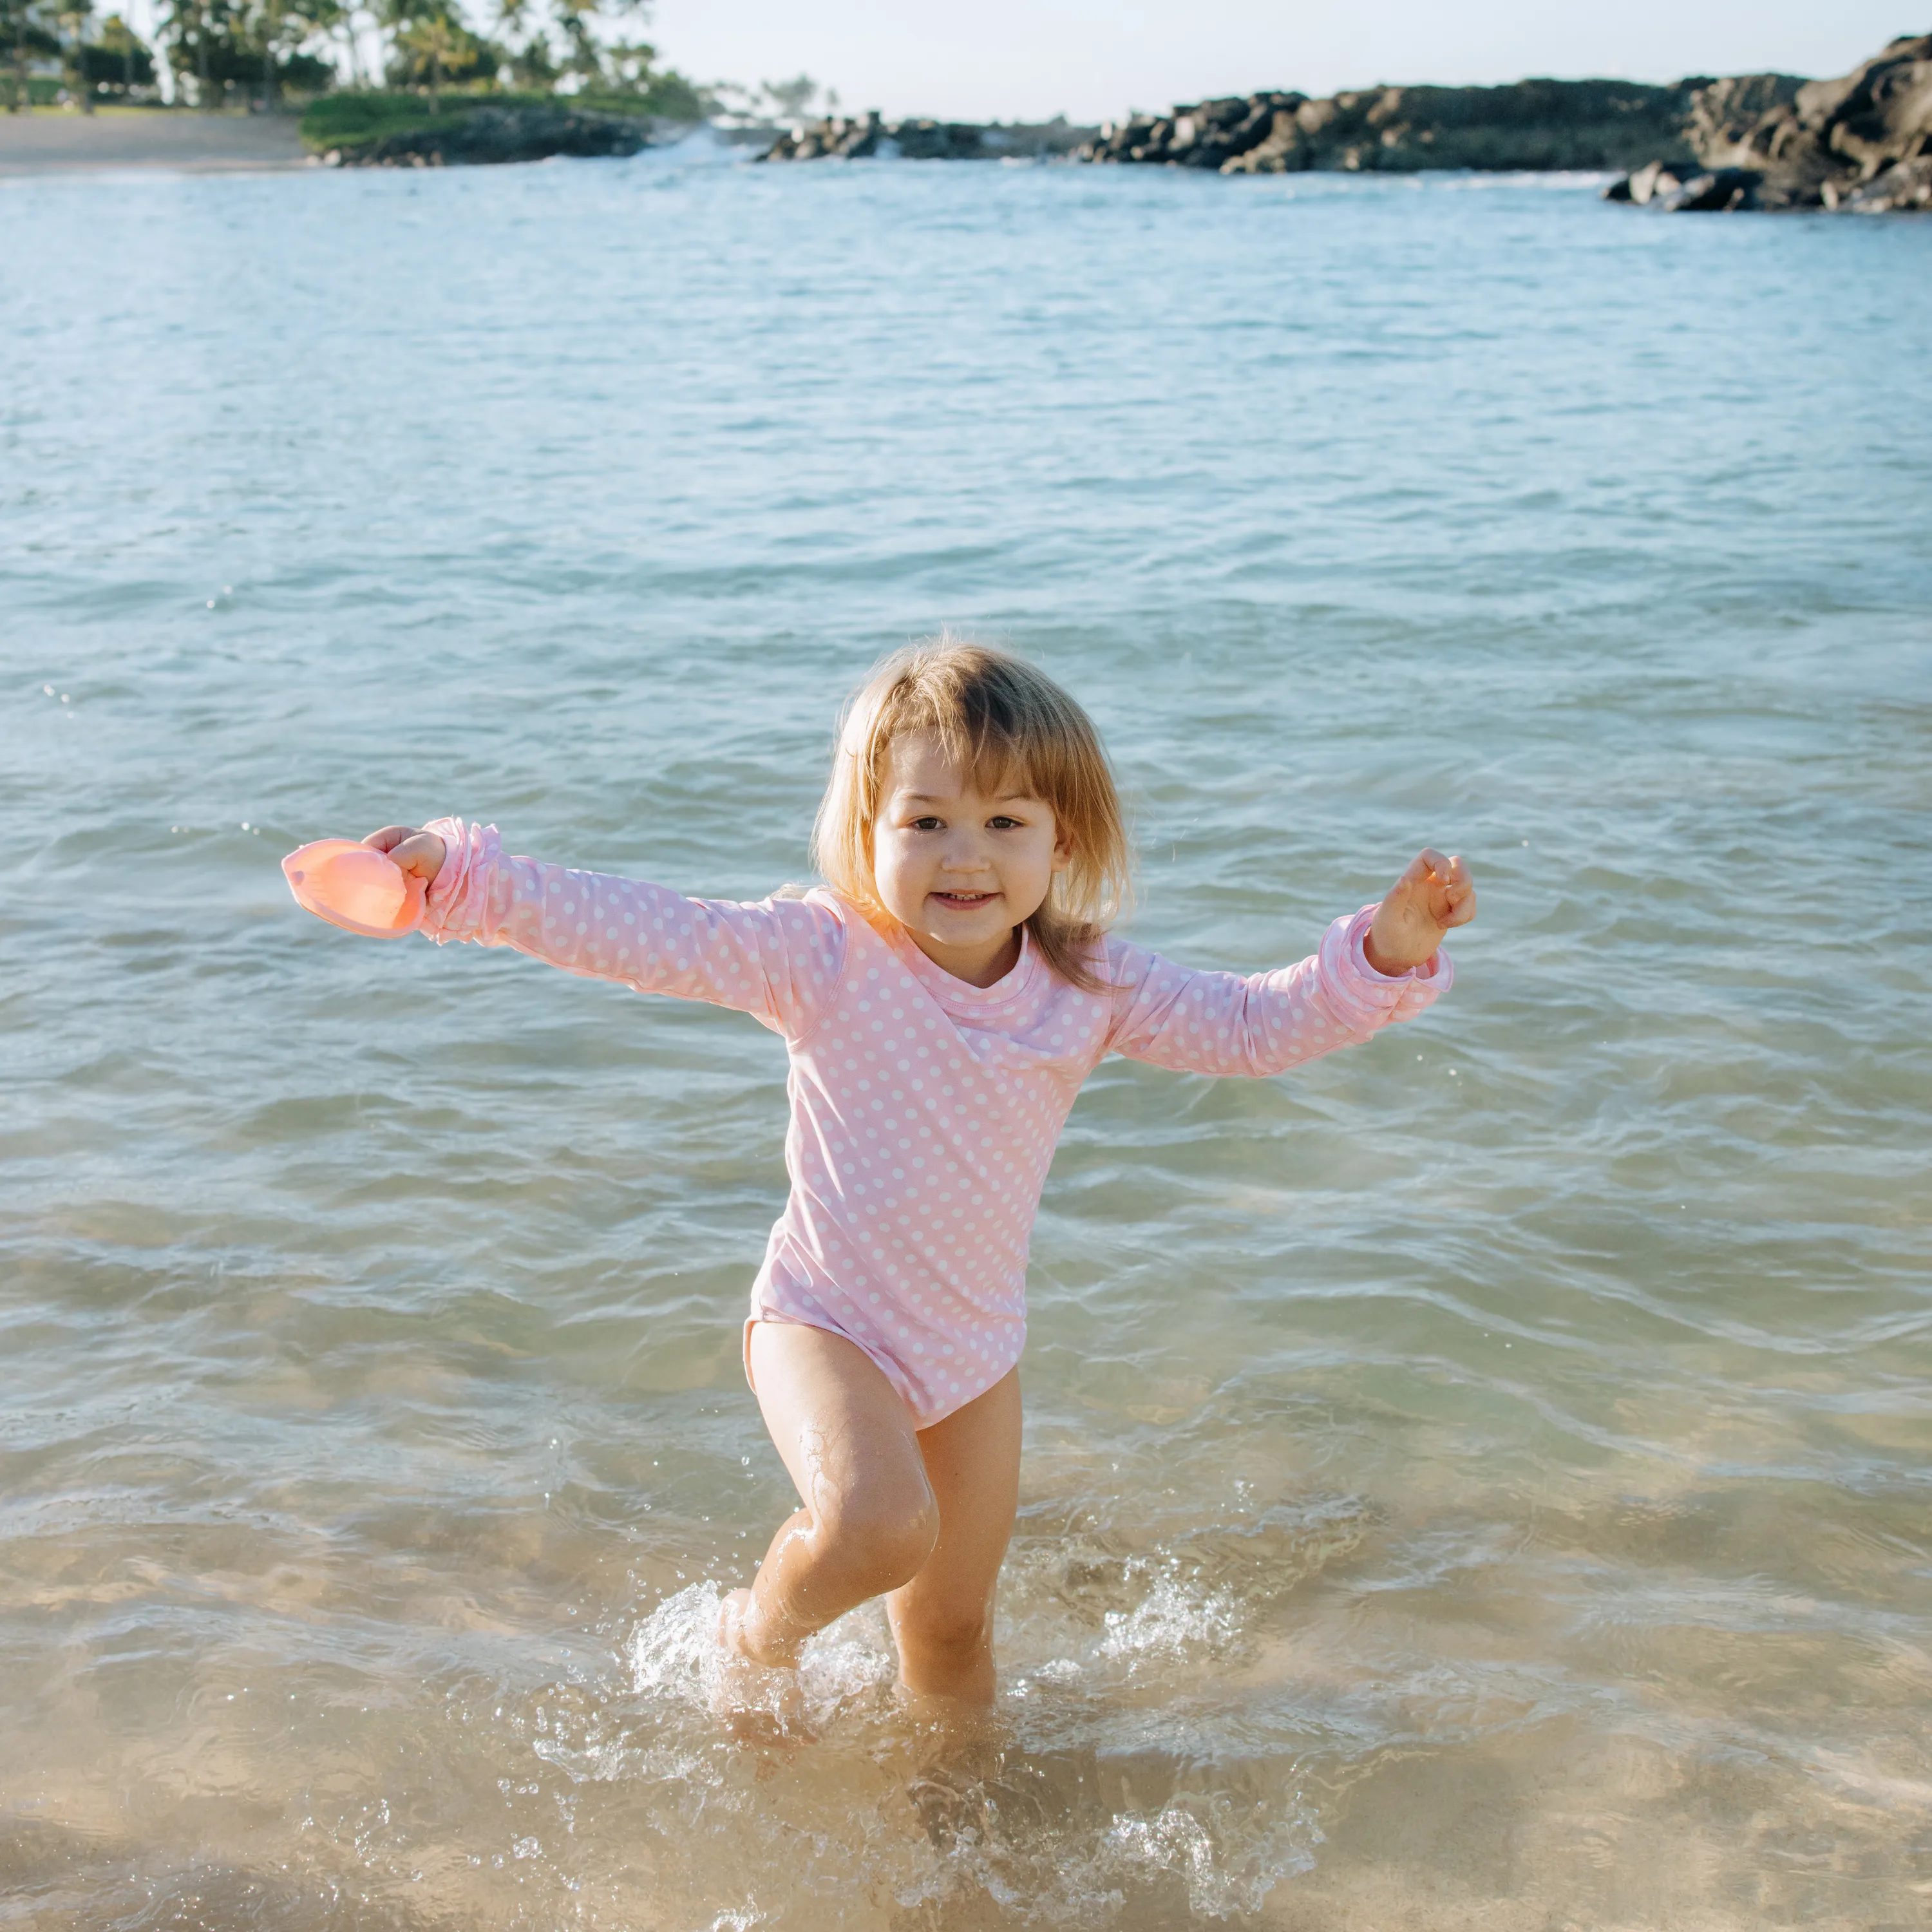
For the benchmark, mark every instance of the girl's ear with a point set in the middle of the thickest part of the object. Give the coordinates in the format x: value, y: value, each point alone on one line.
x: 1063, y: 852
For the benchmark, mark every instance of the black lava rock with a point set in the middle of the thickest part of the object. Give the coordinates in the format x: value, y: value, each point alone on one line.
x: 859, y: 136
x: 492, y: 135
x: 1862, y: 142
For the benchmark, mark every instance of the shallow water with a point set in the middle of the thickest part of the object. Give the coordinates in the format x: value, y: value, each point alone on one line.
x: 1479, y: 1480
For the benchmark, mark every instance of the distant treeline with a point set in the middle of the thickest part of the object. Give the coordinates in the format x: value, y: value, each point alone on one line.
x: 228, y: 52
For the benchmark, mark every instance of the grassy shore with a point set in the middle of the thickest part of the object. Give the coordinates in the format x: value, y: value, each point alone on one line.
x: 59, y: 140
x: 346, y: 121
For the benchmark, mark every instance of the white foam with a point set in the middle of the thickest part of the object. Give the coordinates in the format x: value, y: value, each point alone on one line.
x: 1229, y: 1868
x: 676, y: 1663
x: 1173, y: 1620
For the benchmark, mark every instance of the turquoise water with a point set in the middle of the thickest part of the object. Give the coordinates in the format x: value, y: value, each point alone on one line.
x: 1479, y: 1480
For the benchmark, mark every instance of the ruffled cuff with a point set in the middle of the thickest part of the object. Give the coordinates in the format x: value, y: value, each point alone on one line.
x: 1365, y: 998
x: 457, y: 905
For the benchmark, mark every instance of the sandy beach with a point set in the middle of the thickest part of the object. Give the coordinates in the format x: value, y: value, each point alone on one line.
x: 55, y: 141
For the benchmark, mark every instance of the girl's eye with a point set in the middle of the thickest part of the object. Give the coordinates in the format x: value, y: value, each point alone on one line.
x: 1000, y: 822
x: 928, y: 824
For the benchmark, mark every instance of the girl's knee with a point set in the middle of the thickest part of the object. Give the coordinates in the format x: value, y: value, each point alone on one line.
x: 956, y: 1634
x: 889, y: 1535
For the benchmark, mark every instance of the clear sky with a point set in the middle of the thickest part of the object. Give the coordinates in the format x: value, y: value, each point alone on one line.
x: 1029, y: 59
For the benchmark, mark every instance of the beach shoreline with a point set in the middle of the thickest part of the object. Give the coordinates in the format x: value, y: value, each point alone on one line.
x: 61, y: 141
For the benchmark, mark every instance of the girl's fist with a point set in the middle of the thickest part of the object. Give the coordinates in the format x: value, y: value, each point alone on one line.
x: 420, y: 854
x: 1433, y: 894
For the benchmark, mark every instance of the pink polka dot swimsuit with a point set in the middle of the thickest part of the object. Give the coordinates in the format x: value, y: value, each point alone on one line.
x: 924, y: 1111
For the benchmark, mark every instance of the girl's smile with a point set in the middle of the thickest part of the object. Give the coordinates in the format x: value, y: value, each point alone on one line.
x: 962, y: 869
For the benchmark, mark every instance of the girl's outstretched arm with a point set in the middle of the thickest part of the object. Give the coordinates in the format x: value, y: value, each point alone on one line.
x: 777, y: 960
x: 1381, y: 964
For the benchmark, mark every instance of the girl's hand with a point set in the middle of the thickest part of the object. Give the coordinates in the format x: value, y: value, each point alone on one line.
x: 1433, y: 894
x: 420, y: 854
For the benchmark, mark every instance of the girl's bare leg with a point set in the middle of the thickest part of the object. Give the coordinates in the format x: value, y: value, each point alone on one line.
x: 943, y: 1618
x: 869, y: 1519
x: 921, y: 1517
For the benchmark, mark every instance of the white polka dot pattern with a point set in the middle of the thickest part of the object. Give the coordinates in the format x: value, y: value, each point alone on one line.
x: 924, y: 1112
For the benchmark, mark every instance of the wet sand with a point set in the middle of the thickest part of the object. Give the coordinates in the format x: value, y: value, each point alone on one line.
x: 53, y: 141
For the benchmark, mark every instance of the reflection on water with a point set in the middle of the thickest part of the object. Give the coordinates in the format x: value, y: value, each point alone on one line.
x: 1479, y: 1481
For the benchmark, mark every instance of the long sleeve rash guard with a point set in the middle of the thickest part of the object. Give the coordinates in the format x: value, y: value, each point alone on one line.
x: 924, y: 1111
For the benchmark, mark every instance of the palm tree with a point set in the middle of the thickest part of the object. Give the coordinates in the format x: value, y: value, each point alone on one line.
x: 586, y: 58
x: 26, y: 37
x: 334, y: 16
x: 517, y: 17
x: 72, y: 22
x: 435, y: 38
x: 187, y: 22
x: 117, y: 36
x: 271, y: 20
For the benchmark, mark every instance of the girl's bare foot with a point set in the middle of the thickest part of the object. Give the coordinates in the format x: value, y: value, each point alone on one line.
x: 731, y: 1610
x: 759, y: 1702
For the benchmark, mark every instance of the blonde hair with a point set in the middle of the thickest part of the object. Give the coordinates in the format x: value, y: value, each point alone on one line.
x: 1008, y: 725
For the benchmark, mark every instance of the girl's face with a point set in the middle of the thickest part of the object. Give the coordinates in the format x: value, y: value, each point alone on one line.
x: 959, y: 871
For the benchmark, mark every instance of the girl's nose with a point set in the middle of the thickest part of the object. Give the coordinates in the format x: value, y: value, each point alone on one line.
x: 964, y: 853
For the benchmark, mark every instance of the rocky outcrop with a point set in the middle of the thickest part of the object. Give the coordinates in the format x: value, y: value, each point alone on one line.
x: 1863, y: 143
x: 1723, y: 112
x: 1691, y: 190
x: 1761, y: 140
x: 859, y: 136
x: 496, y: 134
x: 1534, y: 124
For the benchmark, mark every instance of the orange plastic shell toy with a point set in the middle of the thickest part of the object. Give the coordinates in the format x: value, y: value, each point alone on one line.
x: 356, y: 887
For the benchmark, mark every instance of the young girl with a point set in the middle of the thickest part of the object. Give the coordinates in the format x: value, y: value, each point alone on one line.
x: 942, y: 998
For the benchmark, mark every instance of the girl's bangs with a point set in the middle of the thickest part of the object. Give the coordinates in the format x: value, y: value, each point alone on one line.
x: 1000, y: 758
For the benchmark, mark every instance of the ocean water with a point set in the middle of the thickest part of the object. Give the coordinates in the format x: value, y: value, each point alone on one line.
x: 1479, y: 1480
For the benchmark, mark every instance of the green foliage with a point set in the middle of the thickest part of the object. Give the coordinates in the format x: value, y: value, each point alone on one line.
x: 533, y: 65
x: 438, y: 62
x: 432, y: 44
x: 305, y: 73
x: 349, y: 120
x: 343, y: 120
x: 425, y: 57
x: 669, y: 97
x: 118, y: 62
x: 217, y: 47
x: 631, y: 68
x: 29, y: 31
x: 94, y: 63
x: 544, y: 43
